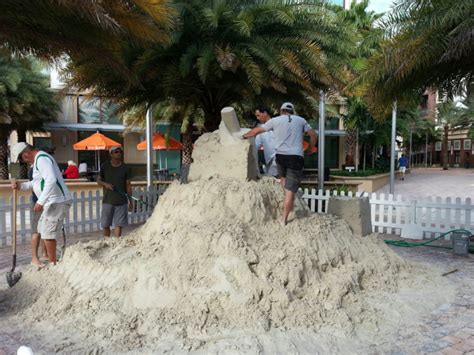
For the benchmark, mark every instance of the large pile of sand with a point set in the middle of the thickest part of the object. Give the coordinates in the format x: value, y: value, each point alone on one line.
x: 212, y: 259
x: 211, y: 266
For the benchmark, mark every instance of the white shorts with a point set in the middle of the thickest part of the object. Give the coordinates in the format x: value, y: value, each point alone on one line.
x: 403, y: 169
x: 51, y: 222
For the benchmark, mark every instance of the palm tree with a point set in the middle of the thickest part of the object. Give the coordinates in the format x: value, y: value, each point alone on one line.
x: 357, y: 117
x: 26, y: 103
x: 230, y: 53
x: 429, y: 43
x: 91, y: 31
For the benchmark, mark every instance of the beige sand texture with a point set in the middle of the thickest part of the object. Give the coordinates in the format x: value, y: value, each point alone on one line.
x: 213, y: 272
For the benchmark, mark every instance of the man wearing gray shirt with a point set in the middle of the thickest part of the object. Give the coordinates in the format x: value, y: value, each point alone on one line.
x: 288, y: 130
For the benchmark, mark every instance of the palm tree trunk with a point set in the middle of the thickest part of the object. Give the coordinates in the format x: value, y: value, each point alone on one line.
x: 188, y: 146
x: 365, y: 156
x: 187, y: 153
x: 445, y: 148
x: 374, y: 152
x: 351, y: 136
x: 23, y: 171
x: 4, y: 134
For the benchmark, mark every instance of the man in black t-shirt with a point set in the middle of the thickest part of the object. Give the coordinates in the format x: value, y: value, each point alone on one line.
x: 114, y: 178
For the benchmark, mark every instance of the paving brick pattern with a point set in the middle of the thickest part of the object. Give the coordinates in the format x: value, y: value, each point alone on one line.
x: 449, y: 329
x: 423, y: 182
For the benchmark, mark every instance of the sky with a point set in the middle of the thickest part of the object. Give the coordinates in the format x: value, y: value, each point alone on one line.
x: 380, y: 5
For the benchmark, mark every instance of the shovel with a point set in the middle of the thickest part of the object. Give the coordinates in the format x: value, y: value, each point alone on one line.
x: 131, y: 197
x: 12, y: 276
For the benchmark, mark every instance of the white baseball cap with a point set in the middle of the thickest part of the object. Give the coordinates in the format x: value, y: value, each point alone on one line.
x: 16, y: 150
x: 288, y: 106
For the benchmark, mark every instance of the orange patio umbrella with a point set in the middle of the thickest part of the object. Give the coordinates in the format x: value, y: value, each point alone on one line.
x: 161, y: 143
x: 96, y: 142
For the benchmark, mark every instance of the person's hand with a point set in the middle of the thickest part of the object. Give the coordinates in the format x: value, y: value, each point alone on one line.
x: 38, y: 207
x: 15, y: 185
x: 108, y: 185
x: 310, y: 150
x: 244, y: 136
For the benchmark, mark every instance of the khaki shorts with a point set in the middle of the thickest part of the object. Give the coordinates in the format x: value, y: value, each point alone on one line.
x: 51, y: 222
x: 35, y: 216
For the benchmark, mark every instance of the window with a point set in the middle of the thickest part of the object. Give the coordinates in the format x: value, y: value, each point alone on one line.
x: 42, y: 142
x: 467, y: 144
x: 438, y: 146
x: 457, y: 144
x: 97, y: 110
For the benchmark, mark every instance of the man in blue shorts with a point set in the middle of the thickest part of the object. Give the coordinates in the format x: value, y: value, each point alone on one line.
x: 288, y: 130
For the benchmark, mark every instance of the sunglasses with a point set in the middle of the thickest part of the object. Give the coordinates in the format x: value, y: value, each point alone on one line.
x: 116, y: 151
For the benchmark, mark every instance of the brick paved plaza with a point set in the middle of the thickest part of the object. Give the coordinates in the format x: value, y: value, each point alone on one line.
x: 435, y: 182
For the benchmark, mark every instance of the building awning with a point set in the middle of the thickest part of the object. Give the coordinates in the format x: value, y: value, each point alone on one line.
x: 55, y: 126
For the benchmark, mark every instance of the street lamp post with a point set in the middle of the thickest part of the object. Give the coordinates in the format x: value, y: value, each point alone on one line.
x: 392, y: 148
x: 321, y: 140
x: 149, y: 147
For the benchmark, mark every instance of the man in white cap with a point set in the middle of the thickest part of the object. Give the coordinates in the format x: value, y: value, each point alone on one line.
x: 114, y: 177
x: 288, y: 130
x: 53, y: 195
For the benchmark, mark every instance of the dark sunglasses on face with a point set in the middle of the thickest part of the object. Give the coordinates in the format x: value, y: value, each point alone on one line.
x: 116, y: 151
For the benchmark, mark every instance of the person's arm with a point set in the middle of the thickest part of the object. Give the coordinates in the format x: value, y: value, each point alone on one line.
x: 312, y: 139
x: 253, y: 132
x: 46, y: 168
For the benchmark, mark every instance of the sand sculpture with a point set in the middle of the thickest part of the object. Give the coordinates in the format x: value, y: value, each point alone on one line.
x: 211, y: 270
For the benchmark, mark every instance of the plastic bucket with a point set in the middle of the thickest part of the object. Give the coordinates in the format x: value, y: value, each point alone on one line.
x: 460, y: 243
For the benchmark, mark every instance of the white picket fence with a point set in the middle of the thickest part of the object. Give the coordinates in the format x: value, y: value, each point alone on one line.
x: 426, y: 216
x: 389, y: 214
x: 84, y: 214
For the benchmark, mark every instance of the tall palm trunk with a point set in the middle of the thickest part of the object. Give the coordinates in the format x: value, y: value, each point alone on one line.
x: 188, y: 146
x: 187, y: 153
x: 4, y: 134
x: 23, y: 171
x: 349, y: 145
x: 445, y: 148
